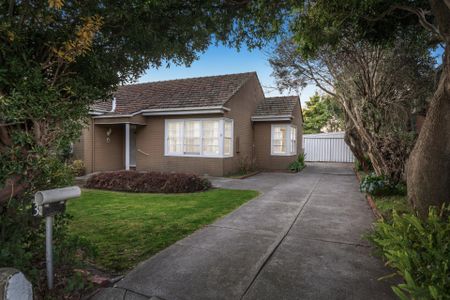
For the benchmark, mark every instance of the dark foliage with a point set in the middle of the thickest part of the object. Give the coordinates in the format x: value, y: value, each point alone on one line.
x: 381, y: 186
x: 148, y: 182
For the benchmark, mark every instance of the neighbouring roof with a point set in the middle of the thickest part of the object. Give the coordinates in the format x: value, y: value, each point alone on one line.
x: 276, y: 106
x: 212, y: 91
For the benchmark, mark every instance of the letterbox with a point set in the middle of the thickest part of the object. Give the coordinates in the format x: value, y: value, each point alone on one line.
x: 50, y: 202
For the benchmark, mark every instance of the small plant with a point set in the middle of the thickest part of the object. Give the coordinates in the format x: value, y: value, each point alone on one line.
x: 419, y: 251
x: 375, y: 185
x: 78, y: 167
x: 148, y: 182
x: 245, y: 165
x: 298, y: 164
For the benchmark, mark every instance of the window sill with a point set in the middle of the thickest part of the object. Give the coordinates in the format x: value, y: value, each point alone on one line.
x: 197, y: 156
x: 281, y: 154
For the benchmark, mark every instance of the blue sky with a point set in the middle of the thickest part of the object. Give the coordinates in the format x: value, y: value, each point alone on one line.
x: 218, y: 60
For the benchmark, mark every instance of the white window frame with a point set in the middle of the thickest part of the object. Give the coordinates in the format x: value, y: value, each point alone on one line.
x: 287, y: 141
x: 221, y: 137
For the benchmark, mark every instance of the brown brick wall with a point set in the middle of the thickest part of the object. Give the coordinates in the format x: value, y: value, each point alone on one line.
x: 242, y: 106
x: 262, y: 131
x: 109, y: 156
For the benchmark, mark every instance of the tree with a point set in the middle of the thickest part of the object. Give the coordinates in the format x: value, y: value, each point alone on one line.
x: 322, y: 112
x: 319, y: 23
x: 375, y: 85
x: 58, y: 57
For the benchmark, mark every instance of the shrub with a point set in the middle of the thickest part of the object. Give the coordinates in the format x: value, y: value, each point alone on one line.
x: 246, y: 165
x: 298, y: 164
x: 375, y: 185
x: 419, y: 251
x: 78, y: 167
x: 148, y: 182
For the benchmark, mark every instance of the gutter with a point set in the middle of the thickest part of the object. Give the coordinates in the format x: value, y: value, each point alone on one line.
x: 272, y: 118
x: 168, y: 112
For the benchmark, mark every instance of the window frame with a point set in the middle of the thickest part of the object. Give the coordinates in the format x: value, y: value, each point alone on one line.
x: 202, y: 154
x: 287, y: 140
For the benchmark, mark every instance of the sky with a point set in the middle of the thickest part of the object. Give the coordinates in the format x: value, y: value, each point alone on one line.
x: 219, y: 60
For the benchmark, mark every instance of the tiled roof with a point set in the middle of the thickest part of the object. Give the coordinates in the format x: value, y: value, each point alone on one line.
x: 276, y: 106
x: 173, y: 94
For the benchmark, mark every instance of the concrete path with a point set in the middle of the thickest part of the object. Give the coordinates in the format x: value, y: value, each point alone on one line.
x: 301, y: 239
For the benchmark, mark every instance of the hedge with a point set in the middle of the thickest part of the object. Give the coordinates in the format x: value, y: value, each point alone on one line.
x: 148, y: 182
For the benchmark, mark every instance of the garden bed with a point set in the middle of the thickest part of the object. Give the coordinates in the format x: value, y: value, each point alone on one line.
x: 147, y: 182
x: 383, y: 206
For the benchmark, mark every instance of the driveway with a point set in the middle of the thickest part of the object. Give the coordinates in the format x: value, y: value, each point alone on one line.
x: 301, y: 239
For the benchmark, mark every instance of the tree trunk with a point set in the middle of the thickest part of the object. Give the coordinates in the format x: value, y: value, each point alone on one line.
x: 428, y: 168
x: 355, y: 143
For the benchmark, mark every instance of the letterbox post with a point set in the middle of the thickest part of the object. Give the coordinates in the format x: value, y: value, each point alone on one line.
x: 47, y: 204
x: 49, y: 250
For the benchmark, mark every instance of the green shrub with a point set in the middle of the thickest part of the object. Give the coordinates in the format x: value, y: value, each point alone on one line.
x: 78, y: 167
x: 375, y: 185
x: 298, y: 164
x: 419, y: 251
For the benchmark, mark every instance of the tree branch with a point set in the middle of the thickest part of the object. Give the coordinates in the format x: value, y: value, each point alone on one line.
x: 419, y: 12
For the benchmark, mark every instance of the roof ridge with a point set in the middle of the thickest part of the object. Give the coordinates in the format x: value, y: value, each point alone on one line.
x: 185, y: 79
x: 275, y: 97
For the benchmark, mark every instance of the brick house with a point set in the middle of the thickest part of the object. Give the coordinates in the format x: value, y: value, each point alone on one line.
x: 207, y: 125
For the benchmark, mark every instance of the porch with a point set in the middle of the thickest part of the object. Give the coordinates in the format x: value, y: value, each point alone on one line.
x: 114, y: 143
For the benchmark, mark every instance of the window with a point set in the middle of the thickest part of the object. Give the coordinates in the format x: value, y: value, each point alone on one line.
x: 192, y: 137
x: 294, y: 140
x: 228, y: 138
x: 211, y: 137
x: 205, y: 138
x: 284, y: 140
x: 175, y: 137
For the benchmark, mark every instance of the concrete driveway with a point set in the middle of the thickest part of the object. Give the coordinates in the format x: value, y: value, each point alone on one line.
x: 301, y: 239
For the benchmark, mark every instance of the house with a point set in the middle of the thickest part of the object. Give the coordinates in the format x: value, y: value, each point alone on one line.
x: 207, y: 125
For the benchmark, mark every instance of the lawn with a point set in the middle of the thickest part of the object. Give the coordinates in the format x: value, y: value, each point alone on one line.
x: 130, y: 227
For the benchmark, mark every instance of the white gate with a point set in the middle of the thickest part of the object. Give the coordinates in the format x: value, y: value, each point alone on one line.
x: 327, y: 147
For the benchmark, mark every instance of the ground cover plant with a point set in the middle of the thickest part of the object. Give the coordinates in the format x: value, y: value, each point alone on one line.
x: 148, y: 182
x: 419, y: 251
x: 379, y: 185
x: 127, y: 228
x: 386, y: 205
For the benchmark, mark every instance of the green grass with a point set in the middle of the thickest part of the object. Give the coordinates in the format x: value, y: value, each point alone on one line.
x: 127, y: 228
x: 386, y: 204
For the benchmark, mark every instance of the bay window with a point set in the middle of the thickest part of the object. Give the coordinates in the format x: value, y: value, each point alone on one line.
x: 199, y: 137
x: 284, y: 140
